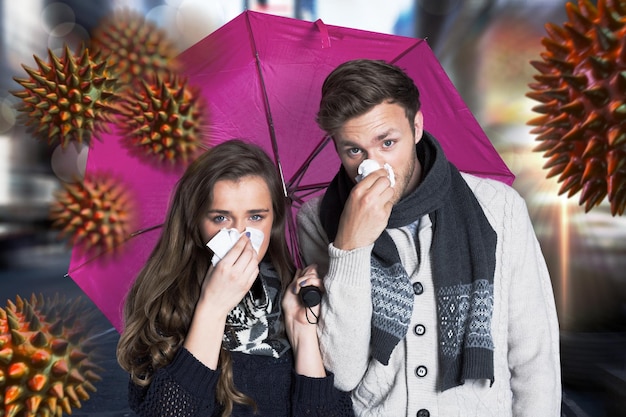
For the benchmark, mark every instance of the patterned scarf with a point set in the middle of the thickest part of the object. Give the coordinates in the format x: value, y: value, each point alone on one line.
x: 254, y: 326
x: 463, y: 265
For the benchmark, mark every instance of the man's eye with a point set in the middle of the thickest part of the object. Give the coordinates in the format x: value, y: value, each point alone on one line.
x: 354, y: 151
x: 387, y: 143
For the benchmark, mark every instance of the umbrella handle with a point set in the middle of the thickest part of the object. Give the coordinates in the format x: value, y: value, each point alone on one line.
x: 321, y: 26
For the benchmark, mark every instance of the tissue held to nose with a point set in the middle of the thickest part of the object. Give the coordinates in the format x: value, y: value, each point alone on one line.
x: 369, y: 165
x: 225, y: 239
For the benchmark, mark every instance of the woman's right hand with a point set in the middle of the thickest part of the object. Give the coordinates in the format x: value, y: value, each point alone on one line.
x: 224, y: 286
x: 226, y: 283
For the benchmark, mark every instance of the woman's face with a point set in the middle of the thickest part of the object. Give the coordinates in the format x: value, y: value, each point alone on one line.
x: 246, y: 202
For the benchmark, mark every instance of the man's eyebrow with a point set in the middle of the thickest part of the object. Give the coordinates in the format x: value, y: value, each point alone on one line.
x: 344, y: 143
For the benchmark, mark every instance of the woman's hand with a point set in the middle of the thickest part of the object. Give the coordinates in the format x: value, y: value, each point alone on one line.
x: 300, y: 324
x: 224, y: 286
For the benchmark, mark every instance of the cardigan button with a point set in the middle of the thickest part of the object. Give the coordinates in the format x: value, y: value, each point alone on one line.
x: 421, y: 371
x: 419, y: 329
x: 418, y: 288
x: 423, y: 413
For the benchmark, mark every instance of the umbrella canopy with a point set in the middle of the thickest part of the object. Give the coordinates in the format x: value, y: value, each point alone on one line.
x: 261, y: 78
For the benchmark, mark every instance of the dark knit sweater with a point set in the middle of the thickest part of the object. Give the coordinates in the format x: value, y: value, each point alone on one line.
x: 186, y: 388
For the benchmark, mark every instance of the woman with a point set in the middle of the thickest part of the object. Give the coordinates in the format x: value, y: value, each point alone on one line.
x: 204, y: 339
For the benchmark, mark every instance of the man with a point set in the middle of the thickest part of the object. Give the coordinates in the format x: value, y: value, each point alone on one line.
x: 438, y: 301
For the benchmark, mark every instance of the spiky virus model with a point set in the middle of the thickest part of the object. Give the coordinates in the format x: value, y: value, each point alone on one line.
x: 136, y: 48
x: 69, y: 98
x: 164, y: 121
x: 582, y: 88
x: 46, y: 368
x: 96, y: 214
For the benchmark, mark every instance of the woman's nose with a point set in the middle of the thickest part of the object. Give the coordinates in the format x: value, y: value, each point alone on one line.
x: 240, y: 225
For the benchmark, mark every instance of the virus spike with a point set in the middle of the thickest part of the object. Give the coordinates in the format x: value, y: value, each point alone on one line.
x: 542, y: 67
x: 593, y: 122
x: 570, y: 185
x: 579, y: 38
x: 618, y: 110
x: 592, y: 194
x: 557, y: 160
x: 582, y: 22
x: 13, y: 393
x: 59, y: 368
x: 599, y: 96
x: 616, y: 162
x: 560, y: 51
x: 82, y: 392
x: 32, y: 404
x: 578, y: 82
x: 65, y: 405
x: 40, y: 358
x: 37, y: 382
x: 6, y: 355
x: 17, y: 337
x: 574, y: 108
x: 561, y: 65
x: 71, y: 394
x: 559, y: 148
x: 594, y: 168
x: 606, y: 40
x: 595, y: 147
x: 602, y: 67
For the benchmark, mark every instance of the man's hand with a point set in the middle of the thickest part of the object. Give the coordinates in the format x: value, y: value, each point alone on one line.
x: 366, y: 213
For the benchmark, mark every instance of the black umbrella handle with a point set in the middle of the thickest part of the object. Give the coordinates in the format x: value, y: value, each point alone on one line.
x: 310, y: 295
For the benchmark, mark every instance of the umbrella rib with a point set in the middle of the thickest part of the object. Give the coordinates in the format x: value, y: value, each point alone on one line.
x: 268, y: 111
x: 297, y: 177
x: 407, y: 50
x: 99, y: 254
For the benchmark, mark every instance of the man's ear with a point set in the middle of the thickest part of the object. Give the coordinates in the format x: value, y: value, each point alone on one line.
x: 418, y: 123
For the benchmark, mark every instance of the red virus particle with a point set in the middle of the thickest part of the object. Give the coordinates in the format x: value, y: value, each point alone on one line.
x: 67, y: 99
x: 582, y: 88
x: 164, y: 121
x: 46, y: 366
x: 97, y: 214
x: 135, y: 48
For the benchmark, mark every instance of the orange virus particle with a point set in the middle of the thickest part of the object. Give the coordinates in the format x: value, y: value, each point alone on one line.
x: 164, y: 121
x: 582, y: 91
x: 135, y: 48
x: 45, y: 363
x: 67, y: 99
x: 96, y: 214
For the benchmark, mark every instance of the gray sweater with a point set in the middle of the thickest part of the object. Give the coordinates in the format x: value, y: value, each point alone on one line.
x: 524, y: 322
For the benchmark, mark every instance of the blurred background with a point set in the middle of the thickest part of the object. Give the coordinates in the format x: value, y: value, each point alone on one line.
x: 485, y: 46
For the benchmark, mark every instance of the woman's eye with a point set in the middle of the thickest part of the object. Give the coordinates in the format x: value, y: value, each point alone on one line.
x: 256, y: 217
x: 219, y: 219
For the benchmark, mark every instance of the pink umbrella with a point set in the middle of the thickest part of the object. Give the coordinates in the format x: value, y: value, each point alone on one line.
x: 261, y: 77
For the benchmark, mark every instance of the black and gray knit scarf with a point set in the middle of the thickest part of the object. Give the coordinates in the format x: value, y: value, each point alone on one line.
x: 463, y: 265
x: 254, y: 326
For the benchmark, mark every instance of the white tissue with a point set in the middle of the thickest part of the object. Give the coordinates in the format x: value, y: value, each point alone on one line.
x: 369, y: 165
x: 225, y: 239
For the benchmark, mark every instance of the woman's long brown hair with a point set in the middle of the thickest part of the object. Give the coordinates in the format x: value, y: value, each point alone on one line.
x: 160, y: 303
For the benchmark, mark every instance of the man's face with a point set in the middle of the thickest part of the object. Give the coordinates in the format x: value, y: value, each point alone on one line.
x: 384, y: 135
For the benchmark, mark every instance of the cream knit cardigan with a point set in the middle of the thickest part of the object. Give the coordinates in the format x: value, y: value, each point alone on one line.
x: 524, y: 324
